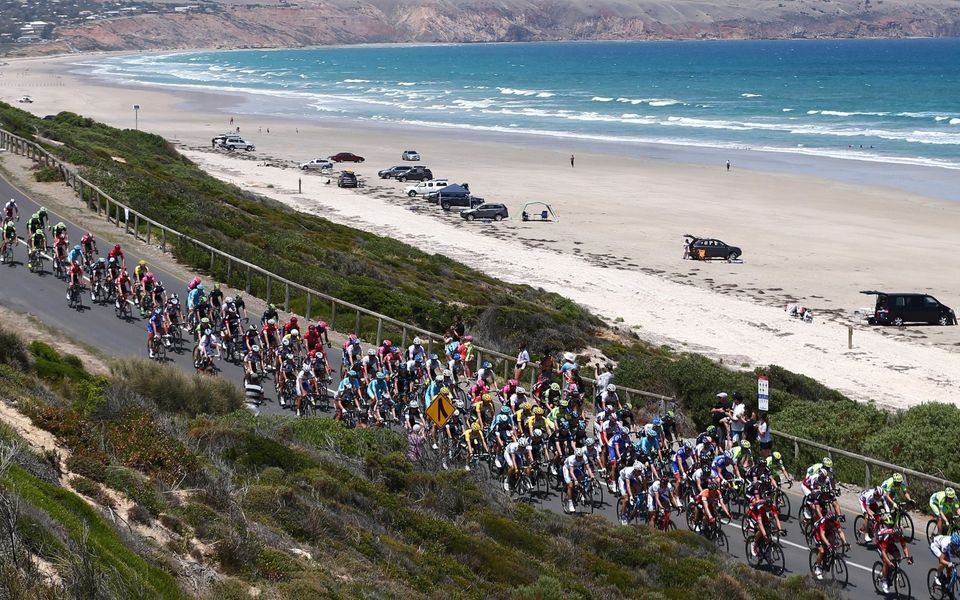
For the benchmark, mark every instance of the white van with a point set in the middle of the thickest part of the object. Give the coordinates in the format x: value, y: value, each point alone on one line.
x: 425, y: 187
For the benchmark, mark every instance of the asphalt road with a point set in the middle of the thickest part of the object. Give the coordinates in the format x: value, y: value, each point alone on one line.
x: 44, y: 296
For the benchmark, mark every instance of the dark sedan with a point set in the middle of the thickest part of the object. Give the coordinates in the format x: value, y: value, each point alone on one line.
x: 346, y: 157
x: 393, y: 172
x: 496, y: 212
x: 707, y: 249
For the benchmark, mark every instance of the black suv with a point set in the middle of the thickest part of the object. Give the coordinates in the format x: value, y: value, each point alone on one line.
x: 393, y: 172
x: 485, y: 211
x: 347, y: 180
x: 418, y: 173
x: 897, y: 309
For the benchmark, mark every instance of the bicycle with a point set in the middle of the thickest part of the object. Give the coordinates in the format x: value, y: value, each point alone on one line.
x: 159, y: 348
x: 98, y: 292
x: 940, y: 591
x: 59, y: 271
x: 833, y: 566
x: 519, y: 486
x: 662, y: 520
x: 872, y: 525
x: 769, y: 554
x: 581, y: 496
x: 783, y: 499
x: 7, y: 255
x: 897, y: 579
x: 635, y: 511
x: 933, y: 528
x: 713, y: 530
x: 74, y: 299
x: 35, y: 261
x: 902, y: 518
x: 122, y: 309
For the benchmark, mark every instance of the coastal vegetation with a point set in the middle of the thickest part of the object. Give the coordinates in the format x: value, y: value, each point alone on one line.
x: 412, y: 285
x: 291, y: 509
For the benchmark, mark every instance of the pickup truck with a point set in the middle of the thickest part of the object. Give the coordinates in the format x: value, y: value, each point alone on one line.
x: 425, y: 188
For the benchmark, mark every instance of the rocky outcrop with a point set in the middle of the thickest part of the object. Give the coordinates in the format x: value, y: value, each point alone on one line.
x: 268, y: 24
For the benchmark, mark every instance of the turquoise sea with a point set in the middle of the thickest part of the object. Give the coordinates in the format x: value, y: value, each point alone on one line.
x: 868, y: 100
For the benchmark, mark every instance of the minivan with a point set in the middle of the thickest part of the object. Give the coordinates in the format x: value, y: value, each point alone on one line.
x: 900, y: 308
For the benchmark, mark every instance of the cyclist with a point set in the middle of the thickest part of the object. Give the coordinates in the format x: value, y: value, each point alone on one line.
x: 60, y: 245
x: 306, y: 385
x: 347, y: 396
x: 473, y: 438
x: 379, y: 393
x: 609, y: 400
x: 98, y: 272
x: 146, y: 289
x: 216, y: 298
x: 682, y: 462
x: 724, y: 468
x: 250, y: 338
x: 517, y: 454
x: 196, y: 298
x: 43, y: 215
x: 207, y: 348
x: 10, y: 210
x: 89, y: 245
x: 9, y: 236
x: 661, y: 497
x: 269, y: 336
x: 704, y: 502
x: 575, y: 467
x: 888, y: 538
x: 742, y: 455
x: 38, y: 244
x: 156, y: 325
x: 415, y: 350
x: 947, y: 550
x: 252, y: 365
x: 761, y: 508
x: 872, y: 503
x: 825, y: 465
x: 649, y: 442
x: 117, y: 253
x: 75, y: 278
x: 123, y: 287
x: 895, y: 490
x: 269, y: 313
x: 945, y: 507
x: 824, y: 530
x: 629, y: 484
x: 501, y: 428
x: 59, y: 229
x: 33, y: 223
x: 777, y: 468
x: 617, y: 444
x: 139, y: 272
x: 242, y: 306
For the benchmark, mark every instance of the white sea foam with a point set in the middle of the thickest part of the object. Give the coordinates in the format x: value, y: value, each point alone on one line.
x: 406, y: 83
x: 601, y: 99
x: 750, y: 95
x: 786, y: 109
x: 357, y: 81
x: 954, y: 121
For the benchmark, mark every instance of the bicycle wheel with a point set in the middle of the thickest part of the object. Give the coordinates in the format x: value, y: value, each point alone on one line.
x: 596, y: 495
x: 933, y: 530
x: 906, y: 524
x: 934, y: 587
x: 775, y: 559
x: 721, y: 540
x: 858, y: 530
x: 748, y: 527
x: 812, y: 562
x: 839, y: 572
x: 691, y: 515
x: 901, y: 584
x: 753, y: 561
x: 876, y: 574
x: 783, y: 503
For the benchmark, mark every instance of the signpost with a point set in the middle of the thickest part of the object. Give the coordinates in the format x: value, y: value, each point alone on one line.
x: 763, y: 393
x: 440, y: 410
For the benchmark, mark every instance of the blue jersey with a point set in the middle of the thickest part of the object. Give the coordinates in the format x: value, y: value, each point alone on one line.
x: 649, y: 445
x: 377, y: 389
x: 194, y: 297
x: 155, y: 323
x: 75, y: 255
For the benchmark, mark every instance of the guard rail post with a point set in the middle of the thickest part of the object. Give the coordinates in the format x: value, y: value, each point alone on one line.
x: 403, y: 338
x: 866, y: 477
x: 163, y: 240
x: 286, y: 297
x: 356, y: 329
x: 211, y: 262
x: 269, y: 297
x: 309, y: 302
x: 136, y: 226
x: 379, y: 331
x: 333, y: 315
x: 148, y: 233
x: 247, y: 286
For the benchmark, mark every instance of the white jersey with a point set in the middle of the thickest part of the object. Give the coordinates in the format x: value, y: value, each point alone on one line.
x: 575, y: 462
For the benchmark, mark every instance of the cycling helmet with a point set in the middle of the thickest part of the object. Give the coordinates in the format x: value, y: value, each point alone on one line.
x: 487, y: 397
x: 476, y: 426
x: 142, y: 263
x: 521, y: 391
x: 200, y: 287
x: 321, y: 324
x: 433, y: 357
x: 573, y: 388
x: 514, y: 382
x: 613, y: 416
x: 77, y: 248
x: 537, y: 433
x: 271, y: 321
x: 745, y: 444
x: 827, y: 462
x: 380, y: 375
x: 505, y: 410
x: 526, y: 405
x: 955, y: 539
x: 418, y: 360
x: 648, y: 429
x: 555, y: 386
x: 102, y: 260
x: 589, y: 442
x: 458, y: 404
x: 272, y: 306
x: 387, y: 343
x: 524, y: 441
x: 305, y: 368
x: 727, y: 454
x: 206, y: 331
x: 487, y: 364
x: 447, y: 373
x: 416, y: 341
x: 468, y: 338
x: 897, y: 478
x: 580, y: 452
x: 205, y: 320
x: 711, y: 428
x: 712, y: 486
x: 611, y: 388
x: 888, y: 520
x: 228, y: 299
x: 777, y: 456
x: 295, y: 332
x: 537, y: 410
x: 158, y: 311
x: 950, y: 493
x: 371, y: 352
x: 686, y: 444
x: 564, y: 402
x: 393, y: 349
x: 417, y: 428
x: 414, y: 403
x: 285, y: 342
x: 252, y: 328
x: 445, y: 391
x: 656, y: 421
x: 255, y: 348
x: 569, y: 357
x: 351, y: 373
x: 288, y: 356
x: 438, y: 378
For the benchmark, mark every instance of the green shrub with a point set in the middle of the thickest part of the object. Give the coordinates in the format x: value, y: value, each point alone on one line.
x: 140, y: 515
x: 92, y: 490
x: 257, y: 452
x: 49, y: 364
x: 135, y: 487
x: 172, y: 390
x: 88, y: 464
x: 48, y: 174
x: 13, y: 351
x: 137, y: 442
x: 916, y: 438
x: 330, y: 434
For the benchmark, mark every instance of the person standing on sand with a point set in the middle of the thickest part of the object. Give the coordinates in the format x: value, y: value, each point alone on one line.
x: 572, y: 158
x: 728, y: 165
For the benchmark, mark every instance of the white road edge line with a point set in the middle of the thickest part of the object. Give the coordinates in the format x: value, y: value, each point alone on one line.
x: 806, y: 549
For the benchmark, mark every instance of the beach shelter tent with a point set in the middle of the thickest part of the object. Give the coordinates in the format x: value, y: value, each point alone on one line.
x: 538, y: 211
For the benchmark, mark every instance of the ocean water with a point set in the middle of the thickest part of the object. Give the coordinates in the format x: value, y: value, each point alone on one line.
x: 877, y: 100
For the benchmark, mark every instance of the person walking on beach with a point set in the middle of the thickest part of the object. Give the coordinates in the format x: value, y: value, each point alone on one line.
x: 572, y: 158
x: 728, y: 165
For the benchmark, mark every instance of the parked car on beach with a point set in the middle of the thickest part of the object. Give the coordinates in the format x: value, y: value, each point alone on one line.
x: 346, y: 157
x: 317, y: 164
x: 393, y: 172
x: 897, y: 308
x: 238, y: 144
x: 709, y: 248
x: 424, y: 188
x: 417, y: 173
x: 29, y: 100
x: 487, y: 210
x: 347, y: 179
x: 410, y: 155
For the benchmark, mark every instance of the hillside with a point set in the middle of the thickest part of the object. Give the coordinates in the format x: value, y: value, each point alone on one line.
x: 269, y: 24
x: 138, y: 499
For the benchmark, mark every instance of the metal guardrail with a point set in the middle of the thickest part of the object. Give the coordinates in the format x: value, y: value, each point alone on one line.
x: 149, y: 230
x: 152, y: 232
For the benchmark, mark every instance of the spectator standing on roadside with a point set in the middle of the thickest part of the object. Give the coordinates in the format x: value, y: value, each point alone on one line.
x: 764, y: 437
x: 738, y: 418
x: 523, y: 357
x: 604, y: 377
x: 416, y: 440
x: 750, y: 427
x: 719, y: 415
x: 458, y: 327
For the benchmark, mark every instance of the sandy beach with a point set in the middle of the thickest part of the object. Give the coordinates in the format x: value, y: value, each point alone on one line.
x: 617, y: 247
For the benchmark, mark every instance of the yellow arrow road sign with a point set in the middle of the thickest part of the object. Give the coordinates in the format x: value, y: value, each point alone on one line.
x: 440, y: 410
